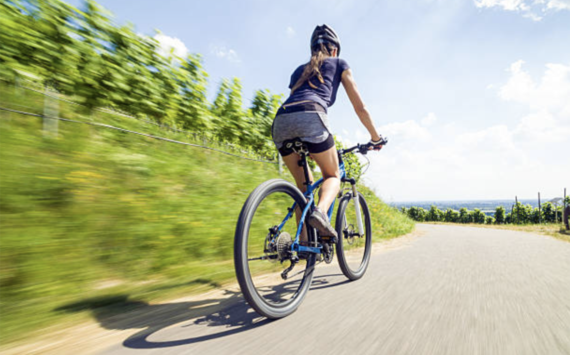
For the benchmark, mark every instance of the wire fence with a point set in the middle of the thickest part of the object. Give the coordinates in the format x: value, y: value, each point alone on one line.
x: 52, y: 93
x: 97, y: 124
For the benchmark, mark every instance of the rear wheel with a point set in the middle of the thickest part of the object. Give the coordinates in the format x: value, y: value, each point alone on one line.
x: 353, y: 249
x: 262, y: 253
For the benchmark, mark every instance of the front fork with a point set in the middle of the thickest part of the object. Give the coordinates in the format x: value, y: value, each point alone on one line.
x: 356, y: 199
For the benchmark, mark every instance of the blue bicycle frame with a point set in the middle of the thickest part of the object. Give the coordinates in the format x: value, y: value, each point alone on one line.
x: 310, y: 203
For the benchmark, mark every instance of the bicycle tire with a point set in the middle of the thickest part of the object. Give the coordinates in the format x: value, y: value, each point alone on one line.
x: 343, y: 229
x: 252, y: 295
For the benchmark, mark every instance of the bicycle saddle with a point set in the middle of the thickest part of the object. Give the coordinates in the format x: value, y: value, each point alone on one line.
x: 297, y: 145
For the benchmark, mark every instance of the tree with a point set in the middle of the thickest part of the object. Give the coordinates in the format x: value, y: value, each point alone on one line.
x: 192, y: 107
x: 422, y: 214
x: 477, y: 216
x: 82, y: 53
x: 548, y: 212
x: 489, y: 220
x: 535, y: 216
x: 434, y: 214
x: 464, y: 215
x: 500, y: 215
x: 228, y: 108
x: 451, y: 216
x: 417, y: 213
x: 521, y: 213
x: 261, y: 113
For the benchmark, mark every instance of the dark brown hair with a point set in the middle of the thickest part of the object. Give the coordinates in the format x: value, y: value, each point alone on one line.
x: 319, y: 53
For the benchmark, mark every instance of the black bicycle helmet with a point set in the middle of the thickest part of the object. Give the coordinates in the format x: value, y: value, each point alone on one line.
x: 325, y: 34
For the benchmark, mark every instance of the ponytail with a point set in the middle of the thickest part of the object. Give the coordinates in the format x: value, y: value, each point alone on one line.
x: 320, y: 52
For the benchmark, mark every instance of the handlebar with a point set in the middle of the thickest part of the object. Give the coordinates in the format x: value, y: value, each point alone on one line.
x: 364, y: 148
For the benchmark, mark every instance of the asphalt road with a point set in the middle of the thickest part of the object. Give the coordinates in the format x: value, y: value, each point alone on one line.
x: 451, y: 290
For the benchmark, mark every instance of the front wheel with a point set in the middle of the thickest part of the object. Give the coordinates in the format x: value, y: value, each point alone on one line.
x: 262, y: 250
x: 353, y: 249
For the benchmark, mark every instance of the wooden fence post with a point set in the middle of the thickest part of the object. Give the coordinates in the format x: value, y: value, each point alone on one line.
x: 517, y: 207
x: 565, y: 211
x: 51, y: 113
x: 539, y: 210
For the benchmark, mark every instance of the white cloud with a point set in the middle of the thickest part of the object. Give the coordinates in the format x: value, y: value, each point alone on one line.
x: 511, y: 5
x: 447, y: 161
x: 551, y: 93
x: 559, y: 4
x: 542, y: 128
x: 548, y: 103
x: 225, y: 53
x: 429, y: 119
x: 408, y: 130
x: 528, y: 8
x: 170, y: 45
x: 290, y: 32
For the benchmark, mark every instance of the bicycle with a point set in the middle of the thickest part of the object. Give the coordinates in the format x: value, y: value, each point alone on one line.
x: 261, y: 247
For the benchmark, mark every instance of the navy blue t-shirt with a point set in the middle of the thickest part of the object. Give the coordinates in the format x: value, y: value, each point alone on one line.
x: 325, y: 93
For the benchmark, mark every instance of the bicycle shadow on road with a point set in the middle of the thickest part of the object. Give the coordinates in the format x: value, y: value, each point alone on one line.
x: 187, y: 322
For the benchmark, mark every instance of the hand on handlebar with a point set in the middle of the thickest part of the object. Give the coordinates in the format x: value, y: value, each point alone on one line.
x: 377, y: 144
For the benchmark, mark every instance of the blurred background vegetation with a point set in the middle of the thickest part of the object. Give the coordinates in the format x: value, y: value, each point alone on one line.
x: 88, y: 213
x: 520, y: 214
x: 82, y: 54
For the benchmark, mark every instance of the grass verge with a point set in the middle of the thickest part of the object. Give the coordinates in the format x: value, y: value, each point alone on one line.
x: 94, y: 217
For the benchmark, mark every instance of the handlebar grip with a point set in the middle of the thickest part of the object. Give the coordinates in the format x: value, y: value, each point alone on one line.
x: 363, y: 149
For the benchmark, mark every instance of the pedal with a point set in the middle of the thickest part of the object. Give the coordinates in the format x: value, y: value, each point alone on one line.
x: 330, y: 240
x: 328, y: 253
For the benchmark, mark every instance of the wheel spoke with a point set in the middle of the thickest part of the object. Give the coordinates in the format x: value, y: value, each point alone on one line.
x: 260, y: 276
x: 354, y: 249
x: 264, y: 257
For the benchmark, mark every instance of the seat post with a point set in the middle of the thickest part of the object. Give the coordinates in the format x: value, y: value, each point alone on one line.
x: 303, y: 163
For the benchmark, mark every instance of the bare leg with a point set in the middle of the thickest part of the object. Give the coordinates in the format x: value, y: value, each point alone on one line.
x: 328, y: 163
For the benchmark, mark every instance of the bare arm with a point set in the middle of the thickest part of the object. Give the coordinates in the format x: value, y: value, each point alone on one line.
x: 359, y: 107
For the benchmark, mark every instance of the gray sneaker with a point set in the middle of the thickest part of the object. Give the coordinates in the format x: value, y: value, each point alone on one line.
x: 320, y: 221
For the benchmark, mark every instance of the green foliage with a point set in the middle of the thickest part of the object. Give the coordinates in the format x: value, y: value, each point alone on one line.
x: 417, y: 214
x: 352, y: 163
x: 451, y: 216
x: 520, y: 214
x: 548, y: 212
x: 93, y: 205
x: 434, y: 214
x: 500, y: 215
x: 84, y: 55
x: 98, y: 206
x: 535, y: 216
x: 464, y: 216
x: 477, y: 216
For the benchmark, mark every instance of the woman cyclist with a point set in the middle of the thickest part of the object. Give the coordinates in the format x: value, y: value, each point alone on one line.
x: 304, y: 115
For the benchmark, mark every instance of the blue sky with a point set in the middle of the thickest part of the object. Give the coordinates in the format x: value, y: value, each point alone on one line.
x: 474, y: 94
